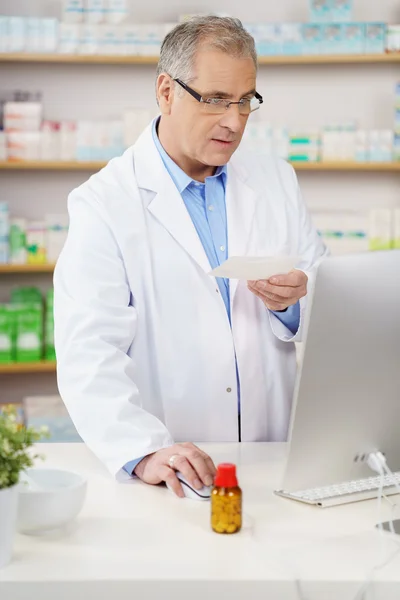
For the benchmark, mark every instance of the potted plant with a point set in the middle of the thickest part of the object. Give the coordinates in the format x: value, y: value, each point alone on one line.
x: 15, y: 441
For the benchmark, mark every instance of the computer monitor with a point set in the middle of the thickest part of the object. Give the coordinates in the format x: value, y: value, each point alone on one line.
x: 347, y: 396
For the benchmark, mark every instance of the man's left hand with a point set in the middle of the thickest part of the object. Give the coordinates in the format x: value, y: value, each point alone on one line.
x: 280, y: 291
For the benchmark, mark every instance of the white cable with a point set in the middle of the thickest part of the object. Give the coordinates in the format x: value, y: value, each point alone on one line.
x: 377, y: 462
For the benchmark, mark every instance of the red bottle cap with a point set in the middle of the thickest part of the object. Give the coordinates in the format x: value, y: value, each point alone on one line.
x: 226, y: 475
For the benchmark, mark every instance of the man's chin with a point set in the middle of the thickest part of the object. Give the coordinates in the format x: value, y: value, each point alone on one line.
x: 221, y: 158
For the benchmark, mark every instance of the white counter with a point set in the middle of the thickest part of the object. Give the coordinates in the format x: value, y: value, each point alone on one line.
x: 139, y: 542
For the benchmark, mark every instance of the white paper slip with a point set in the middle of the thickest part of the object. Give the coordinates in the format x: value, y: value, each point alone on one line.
x: 252, y: 268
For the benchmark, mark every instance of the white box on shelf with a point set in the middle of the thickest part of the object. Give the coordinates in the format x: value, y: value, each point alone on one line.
x: 374, y: 145
x: 281, y: 142
x: 142, y: 40
x: 48, y: 40
x: 95, y: 11
x: 154, y: 35
x: 73, y: 11
x: 4, y: 34
x: 135, y: 120
x: 22, y: 116
x: 3, y: 145
x: 344, y: 232
x: 292, y: 39
x: 361, y: 146
x: 131, y: 37
x: 23, y: 145
x: 50, y: 141
x: 89, y: 39
x: 386, y: 139
x: 111, y: 40
x: 67, y: 140
x: 69, y: 38
x: 380, y: 229
x: 85, y: 140
x: 393, y: 38
x: 116, y: 11
x: 16, y: 38
x: 33, y: 34
x: 116, y: 139
x: 56, y: 233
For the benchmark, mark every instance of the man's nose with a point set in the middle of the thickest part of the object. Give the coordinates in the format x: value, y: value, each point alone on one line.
x: 232, y: 119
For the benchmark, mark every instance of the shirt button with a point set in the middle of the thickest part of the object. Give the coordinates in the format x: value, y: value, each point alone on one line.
x: 211, y: 207
x: 228, y: 390
x: 222, y: 248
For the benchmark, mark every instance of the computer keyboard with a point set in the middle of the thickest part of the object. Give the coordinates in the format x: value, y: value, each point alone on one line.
x: 343, y: 493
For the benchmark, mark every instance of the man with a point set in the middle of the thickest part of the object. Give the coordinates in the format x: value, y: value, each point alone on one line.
x: 153, y: 352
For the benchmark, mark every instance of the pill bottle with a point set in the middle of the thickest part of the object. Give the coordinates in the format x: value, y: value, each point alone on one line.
x: 226, y: 500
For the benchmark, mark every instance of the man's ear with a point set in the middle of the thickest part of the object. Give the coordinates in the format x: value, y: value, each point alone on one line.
x: 165, y: 93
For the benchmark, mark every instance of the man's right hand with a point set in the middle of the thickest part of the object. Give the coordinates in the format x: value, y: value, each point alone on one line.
x: 193, y: 463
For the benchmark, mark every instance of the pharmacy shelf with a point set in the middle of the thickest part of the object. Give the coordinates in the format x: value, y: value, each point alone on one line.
x: 299, y: 166
x: 325, y: 59
x: 152, y: 60
x: 79, y: 59
x: 44, y: 366
x: 15, y: 269
x: 346, y: 166
x: 48, y: 165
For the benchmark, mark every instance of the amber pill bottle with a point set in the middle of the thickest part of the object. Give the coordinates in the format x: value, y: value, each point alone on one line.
x: 226, y: 500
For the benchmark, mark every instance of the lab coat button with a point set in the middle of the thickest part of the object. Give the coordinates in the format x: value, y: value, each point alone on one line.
x: 228, y: 390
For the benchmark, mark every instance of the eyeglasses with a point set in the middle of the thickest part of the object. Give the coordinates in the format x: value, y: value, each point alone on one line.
x: 216, y: 106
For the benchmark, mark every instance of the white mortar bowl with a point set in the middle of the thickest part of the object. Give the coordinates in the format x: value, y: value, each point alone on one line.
x: 49, y: 499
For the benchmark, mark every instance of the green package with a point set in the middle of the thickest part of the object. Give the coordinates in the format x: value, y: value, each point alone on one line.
x: 24, y: 295
x: 49, y: 350
x: 29, y: 332
x: 6, y: 335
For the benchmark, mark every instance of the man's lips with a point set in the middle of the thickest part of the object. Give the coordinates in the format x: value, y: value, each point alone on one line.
x: 225, y: 142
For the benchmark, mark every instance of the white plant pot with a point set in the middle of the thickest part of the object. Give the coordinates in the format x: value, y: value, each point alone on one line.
x: 8, y: 519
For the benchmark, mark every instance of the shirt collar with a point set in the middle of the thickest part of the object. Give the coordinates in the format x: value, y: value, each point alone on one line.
x: 179, y: 177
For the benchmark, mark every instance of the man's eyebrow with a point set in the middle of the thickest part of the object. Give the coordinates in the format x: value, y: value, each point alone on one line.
x: 219, y: 94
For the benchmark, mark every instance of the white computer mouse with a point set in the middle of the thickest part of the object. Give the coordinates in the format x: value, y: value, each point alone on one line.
x: 190, y: 492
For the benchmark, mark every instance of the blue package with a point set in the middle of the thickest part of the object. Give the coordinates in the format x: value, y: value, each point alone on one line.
x: 319, y: 11
x: 353, y: 38
x: 271, y: 43
x: 375, y: 38
x: 341, y: 11
x: 332, y: 38
x: 312, y: 39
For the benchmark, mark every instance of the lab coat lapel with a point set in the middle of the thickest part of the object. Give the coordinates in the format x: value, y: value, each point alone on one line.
x: 167, y: 205
x: 240, y: 207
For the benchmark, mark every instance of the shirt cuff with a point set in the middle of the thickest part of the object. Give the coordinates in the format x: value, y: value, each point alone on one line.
x: 131, y: 466
x: 290, y: 317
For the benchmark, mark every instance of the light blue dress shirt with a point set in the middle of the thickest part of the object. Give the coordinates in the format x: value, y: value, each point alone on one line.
x: 205, y: 203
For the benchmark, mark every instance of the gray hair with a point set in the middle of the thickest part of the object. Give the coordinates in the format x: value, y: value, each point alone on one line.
x: 179, y: 47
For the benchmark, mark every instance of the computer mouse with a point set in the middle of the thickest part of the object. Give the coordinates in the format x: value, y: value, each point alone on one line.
x: 190, y: 492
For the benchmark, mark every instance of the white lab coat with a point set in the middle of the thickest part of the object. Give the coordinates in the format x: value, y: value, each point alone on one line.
x: 146, y: 354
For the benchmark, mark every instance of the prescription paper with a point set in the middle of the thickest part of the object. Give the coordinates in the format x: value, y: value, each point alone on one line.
x: 252, y: 268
